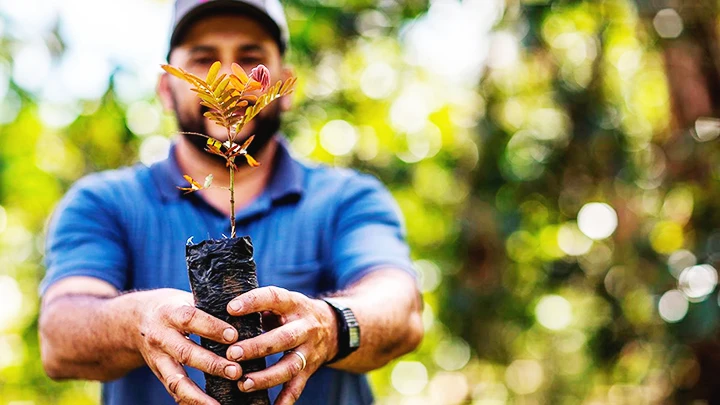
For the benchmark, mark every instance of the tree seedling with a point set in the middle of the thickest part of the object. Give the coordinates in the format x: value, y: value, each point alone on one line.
x: 231, y: 105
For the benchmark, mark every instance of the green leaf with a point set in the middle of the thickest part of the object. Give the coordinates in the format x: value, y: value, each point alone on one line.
x: 208, y: 181
x: 239, y: 73
x: 211, y: 101
x: 237, y: 83
x: 174, y: 71
x: 230, y: 102
x: 250, y: 98
x: 288, y: 86
x: 217, y: 81
x: 221, y: 88
x: 209, y: 105
x: 212, y: 73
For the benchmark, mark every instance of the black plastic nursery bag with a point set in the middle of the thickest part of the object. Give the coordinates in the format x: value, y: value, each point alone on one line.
x: 220, y: 270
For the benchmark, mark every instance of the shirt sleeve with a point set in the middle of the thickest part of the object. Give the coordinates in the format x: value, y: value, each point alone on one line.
x: 369, y: 232
x: 85, y: 237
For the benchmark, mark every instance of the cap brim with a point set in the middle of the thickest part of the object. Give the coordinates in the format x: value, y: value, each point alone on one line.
x: 220, y: 7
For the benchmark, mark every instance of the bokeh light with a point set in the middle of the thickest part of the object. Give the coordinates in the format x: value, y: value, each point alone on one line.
x: 489, y: 393
x: 409, y: 377
x: 3, y: 219
x: 338, y: 137
x: 504, y: 50
x: 554, y: 312
x: 430, y: 275
x: 378, y: 80
x: 85, y: 75
x: 154, y: 149
x: 143, y: 118
x: 428, y: 317
x: 31, y: 66
x: 697, y: 282
x: 454, y: 52
x: 667, y: 237
x: 668, y: 23
x: 12, y: 351
x: 673, y: 306
x: 410, y: 110
x: 58, y: 115
x: 681, y: 260
x: 18, y: 243
x: 12, y: 299
x: 706, y: 129
x: 452, y: 355
x: 448, y: 388
x: 572, y: 241
x: 4, y: 80
x: 597, y: 220
x: 524, y: 376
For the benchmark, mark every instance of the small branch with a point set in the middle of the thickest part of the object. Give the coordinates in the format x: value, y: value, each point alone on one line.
x: 231, y: 188
x: 232, y: 201
x: 193, y: 133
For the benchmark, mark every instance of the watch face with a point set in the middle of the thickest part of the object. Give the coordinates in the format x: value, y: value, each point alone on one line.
x: 348, y: 328
x: 354, y: 337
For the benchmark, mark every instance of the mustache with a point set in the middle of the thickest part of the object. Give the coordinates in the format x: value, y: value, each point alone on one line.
x: 264, y: 126
x: 203, y: 108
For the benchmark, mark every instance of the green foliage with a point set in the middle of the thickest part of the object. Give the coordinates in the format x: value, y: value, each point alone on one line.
x: 231, y: 108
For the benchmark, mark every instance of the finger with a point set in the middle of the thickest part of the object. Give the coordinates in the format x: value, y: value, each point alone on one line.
x: 275, y: 299
x: 291, y: 391
x: 278, y: 340
x: 179, y: 385
x: 153, y: 367
x: 189, y: 319
x: 283, y: 371
x: 187, y: 352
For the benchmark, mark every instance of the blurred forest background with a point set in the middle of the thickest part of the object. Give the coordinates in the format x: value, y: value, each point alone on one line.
x: 556, y: 162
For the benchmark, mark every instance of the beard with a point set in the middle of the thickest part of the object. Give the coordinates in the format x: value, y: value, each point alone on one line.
x: 264, y: 126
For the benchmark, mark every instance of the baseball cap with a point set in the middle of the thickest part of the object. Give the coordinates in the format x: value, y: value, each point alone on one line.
x: 270, y: 13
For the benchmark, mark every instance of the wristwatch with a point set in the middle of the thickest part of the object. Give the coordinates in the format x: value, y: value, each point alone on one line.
x: 348, y: 330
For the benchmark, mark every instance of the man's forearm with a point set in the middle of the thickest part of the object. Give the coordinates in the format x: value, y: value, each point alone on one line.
x: 389, y: 310
x: 94, y: 338
x: 88, y: 337
x: 387, y: 306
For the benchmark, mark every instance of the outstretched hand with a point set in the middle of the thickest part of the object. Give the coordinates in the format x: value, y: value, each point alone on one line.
x: 166, y: 318
x: 306, y: 326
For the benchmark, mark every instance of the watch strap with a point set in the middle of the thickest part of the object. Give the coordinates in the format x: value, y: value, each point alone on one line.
x: 348, y: 330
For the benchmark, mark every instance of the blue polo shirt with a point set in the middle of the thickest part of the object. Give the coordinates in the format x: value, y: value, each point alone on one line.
x: 315, y: 229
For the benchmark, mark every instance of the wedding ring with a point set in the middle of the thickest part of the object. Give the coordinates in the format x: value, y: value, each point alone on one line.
x: 302, y: 358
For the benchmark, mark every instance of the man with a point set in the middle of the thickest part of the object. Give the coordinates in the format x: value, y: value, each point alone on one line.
x: 116, y: 306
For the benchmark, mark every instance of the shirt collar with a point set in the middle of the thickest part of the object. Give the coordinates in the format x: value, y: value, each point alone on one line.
x: 286, y: 182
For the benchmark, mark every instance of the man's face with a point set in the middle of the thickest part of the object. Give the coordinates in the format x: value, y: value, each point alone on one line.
x: 227, y: 39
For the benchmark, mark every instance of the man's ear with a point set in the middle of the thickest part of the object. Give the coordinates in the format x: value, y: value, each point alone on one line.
x: 286, y: 102
x: 165, y: 93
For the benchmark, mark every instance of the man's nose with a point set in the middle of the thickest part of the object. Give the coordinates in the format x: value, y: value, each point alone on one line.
x: 226, y: 67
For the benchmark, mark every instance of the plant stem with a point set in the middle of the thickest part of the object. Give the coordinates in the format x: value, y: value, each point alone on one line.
x: 232, y: 201
x: 231, y: 167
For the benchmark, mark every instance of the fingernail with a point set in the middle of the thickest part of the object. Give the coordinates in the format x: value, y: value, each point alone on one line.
x: 235, y: 305
x: 235, y: 353
x: 231, y: 371
x: 229, y: 334
x: 248, y: 384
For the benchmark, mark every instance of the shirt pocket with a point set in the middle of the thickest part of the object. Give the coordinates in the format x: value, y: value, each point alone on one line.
x: 303, y: 278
